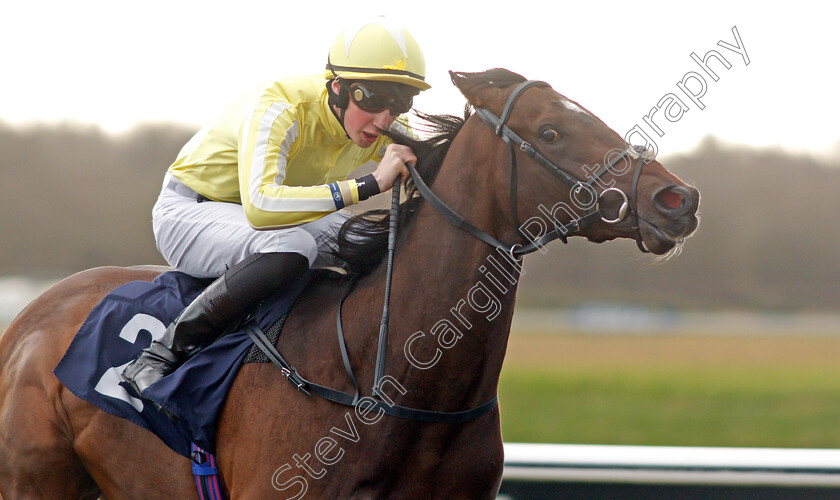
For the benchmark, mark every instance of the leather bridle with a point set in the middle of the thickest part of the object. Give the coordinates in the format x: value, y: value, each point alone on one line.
x: 561, y: 231
x: 516, y: 252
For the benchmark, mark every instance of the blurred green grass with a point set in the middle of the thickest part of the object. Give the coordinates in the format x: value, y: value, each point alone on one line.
x: 682, y: 391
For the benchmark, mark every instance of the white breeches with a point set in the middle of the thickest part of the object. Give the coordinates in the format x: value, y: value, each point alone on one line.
x: 205, y: 239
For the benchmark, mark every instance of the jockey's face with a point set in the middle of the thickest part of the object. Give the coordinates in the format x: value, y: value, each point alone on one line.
x: 364, y: 127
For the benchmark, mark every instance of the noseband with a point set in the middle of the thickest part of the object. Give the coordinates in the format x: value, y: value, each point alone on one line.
x: 561, y: 231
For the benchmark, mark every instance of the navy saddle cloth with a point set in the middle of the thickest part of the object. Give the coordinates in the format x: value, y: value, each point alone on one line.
x: 125, y: 322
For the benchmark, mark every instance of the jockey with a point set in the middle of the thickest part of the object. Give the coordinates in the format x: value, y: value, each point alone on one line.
x: 251, y: 199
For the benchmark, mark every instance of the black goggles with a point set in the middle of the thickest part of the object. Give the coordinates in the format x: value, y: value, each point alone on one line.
x: 375, y: 102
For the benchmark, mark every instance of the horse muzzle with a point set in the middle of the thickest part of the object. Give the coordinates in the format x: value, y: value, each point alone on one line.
x: 674, y: 218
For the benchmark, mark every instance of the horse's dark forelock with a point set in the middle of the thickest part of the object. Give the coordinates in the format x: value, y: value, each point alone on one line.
x: 361, y: 243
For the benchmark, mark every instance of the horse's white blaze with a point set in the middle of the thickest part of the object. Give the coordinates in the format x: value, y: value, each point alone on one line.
x: 573, y: 107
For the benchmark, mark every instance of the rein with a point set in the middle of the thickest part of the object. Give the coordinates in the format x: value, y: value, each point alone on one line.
x: 375, y: 402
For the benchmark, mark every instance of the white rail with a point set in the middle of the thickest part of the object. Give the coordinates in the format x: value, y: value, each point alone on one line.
x: 672, y: 465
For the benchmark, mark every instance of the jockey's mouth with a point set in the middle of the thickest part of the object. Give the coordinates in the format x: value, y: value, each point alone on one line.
x: 378, y: 131
x: 369, y: 136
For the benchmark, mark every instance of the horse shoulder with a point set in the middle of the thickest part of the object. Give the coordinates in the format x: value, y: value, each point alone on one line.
x: 265, y: 418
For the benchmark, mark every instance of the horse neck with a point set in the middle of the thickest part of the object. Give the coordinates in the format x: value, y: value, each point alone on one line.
x: 453, y: 288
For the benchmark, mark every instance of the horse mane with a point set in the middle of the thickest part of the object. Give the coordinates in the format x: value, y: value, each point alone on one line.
x: 361, y: 243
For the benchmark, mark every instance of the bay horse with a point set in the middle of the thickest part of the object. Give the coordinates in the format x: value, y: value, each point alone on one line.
x: 452, y: 302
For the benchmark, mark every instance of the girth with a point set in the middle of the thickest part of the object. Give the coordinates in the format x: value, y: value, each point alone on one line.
x: 265, y: 343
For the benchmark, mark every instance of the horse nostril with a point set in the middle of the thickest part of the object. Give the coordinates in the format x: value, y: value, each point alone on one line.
x: 670, y: 198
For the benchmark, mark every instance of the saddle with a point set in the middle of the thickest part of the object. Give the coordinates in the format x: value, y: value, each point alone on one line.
x: 126, y: 321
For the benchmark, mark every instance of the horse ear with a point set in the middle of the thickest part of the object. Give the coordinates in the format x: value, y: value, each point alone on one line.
x: 483, y: 88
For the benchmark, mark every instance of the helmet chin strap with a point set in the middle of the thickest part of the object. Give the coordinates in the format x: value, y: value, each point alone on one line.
x: 340, y: 101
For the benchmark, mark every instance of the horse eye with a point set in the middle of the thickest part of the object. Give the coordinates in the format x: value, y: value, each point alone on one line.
x: 549, y: 135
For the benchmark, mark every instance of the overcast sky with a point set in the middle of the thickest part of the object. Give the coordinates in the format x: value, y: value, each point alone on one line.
x: 116, y: 63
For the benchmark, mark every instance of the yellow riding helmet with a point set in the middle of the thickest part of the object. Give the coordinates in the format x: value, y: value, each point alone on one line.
x: 377, y: 50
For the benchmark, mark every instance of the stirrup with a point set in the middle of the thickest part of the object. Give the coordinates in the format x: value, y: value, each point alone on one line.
x: 146, y: 369
x: 130, y: 379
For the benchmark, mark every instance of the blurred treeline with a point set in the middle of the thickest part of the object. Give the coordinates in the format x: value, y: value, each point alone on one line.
x: 75, y: 197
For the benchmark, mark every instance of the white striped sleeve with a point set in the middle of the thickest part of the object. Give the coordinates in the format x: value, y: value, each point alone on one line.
x: 267, y: 139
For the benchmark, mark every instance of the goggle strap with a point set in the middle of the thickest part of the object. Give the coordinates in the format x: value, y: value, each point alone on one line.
x: 395, y: 103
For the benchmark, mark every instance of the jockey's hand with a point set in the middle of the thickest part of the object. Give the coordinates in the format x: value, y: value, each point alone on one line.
x: 393, y: 166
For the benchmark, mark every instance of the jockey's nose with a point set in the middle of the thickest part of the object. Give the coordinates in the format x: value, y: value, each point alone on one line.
x: 384, y: 119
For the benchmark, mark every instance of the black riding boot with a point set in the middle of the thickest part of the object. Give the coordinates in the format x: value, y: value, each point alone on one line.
x: 198, y: 325
x: 235, y: 293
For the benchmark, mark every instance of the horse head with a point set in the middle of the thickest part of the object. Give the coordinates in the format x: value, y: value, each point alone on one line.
x: 571, y: 174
